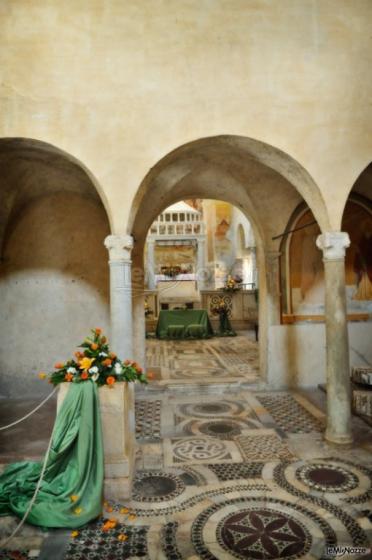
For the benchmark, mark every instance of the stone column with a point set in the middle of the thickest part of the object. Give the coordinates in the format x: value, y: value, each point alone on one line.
x: 151, y: 264
x: 254, y: 266
x: 119, y: 248
x: 138, y: 307
x: 201, y: 268
x: 333, y: 245
x: 117, y: 403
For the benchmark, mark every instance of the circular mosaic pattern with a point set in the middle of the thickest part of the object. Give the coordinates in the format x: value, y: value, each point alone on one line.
x: 263, y: 534
x: 156, y: 487
x: 223, y: 429
x: 212, y: 408
x: 261, y: 529
x: 199, y: 449
x: 327, y: 477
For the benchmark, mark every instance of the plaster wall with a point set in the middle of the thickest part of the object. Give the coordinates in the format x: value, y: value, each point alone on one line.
x: 120, y: 84
x: 54, y: 287
x: 296, y: 356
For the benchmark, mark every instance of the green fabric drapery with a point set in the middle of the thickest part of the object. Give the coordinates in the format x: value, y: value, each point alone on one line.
x: 170, y: 323
x: 75, y: 467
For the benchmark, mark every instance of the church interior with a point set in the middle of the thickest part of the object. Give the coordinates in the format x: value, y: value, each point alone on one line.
x: 191, y: 182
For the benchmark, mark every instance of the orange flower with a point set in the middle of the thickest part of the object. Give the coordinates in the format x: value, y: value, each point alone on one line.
x: 109, y: 524
x: 103, y: 339
x: 84, y: 375
x: 78, y: 355
x: 59, y: 365
x: 122, y: 537
x: 42, y: 375
x: 135, y: 365
x: 110, y: 380
x: 94, y: 346
x: 139, y: 370
x: 150, y: 375
x: 97, y: 330
x: 107, y: 362
x: 112, y: 355
x: 69, y: 377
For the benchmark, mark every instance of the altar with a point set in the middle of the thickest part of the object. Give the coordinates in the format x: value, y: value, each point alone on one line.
x: 183, y: 324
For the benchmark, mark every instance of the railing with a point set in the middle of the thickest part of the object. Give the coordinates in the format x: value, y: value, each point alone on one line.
x: 196, y: 228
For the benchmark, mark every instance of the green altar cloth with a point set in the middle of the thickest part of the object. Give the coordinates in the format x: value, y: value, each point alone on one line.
x: 74, y: 468
x: 195, y: 323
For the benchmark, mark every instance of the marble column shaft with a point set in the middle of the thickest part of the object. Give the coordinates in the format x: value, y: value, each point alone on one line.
x: 120, y: 247
x: 151, y: 264
x: 117, y: 404
x: 201, y: 266
x: 333, y: 245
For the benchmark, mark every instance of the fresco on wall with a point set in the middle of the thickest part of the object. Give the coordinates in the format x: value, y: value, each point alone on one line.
x: 172, y: 256
x: 306, y: 266
x: 358, y: 223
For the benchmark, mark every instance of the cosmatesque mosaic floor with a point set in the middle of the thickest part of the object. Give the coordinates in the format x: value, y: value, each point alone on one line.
x: 240, y: 475
x: 216, y: 359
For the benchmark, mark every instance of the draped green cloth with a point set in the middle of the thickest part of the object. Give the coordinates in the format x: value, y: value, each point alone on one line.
x: 75, y: 467
x: 183, y: 323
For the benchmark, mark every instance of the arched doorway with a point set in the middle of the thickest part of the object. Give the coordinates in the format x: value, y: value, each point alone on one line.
x: 263, y: 182
x: 54, y: 275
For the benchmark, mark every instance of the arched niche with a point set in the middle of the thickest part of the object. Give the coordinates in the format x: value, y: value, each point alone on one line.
x: 53, y: 273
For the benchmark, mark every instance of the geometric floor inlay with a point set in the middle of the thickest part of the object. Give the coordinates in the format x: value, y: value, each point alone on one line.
x: 223, y: 473
x: 327, y: 478
x: 263, y: 447
x: 148, y: 416
x: 93, y: 543
x: 253, y: 528
x: 201, y: 450
x: 263, y: 534
x: 289, y: 414
x: 153, y: 486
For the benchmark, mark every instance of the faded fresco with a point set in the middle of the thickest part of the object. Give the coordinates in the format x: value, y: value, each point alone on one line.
x: 306, y: 266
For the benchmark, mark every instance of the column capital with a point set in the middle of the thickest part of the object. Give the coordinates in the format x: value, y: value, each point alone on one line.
x: 119, y: 247
x: 333, y: 244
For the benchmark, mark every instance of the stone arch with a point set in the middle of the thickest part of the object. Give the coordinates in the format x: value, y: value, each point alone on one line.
x: 263, y: 182
x: 53, y: 270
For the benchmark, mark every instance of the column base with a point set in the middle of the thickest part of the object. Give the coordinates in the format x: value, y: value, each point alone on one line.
x: 338, y: 439
x: 117, y: 489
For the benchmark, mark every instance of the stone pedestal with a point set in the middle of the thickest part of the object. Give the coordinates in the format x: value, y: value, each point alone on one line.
x: 116, y: 406
x: 333, y: 245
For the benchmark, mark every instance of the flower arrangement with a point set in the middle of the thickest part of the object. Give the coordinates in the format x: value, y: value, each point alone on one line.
x: 232, y: 284
x: 97, y: 363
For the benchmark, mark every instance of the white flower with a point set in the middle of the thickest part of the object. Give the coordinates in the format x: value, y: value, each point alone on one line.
x: 93, y: 369
x: 71, y: 370
x: 118, y: 368
x: 103, y: 354
x: 95, y: 376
